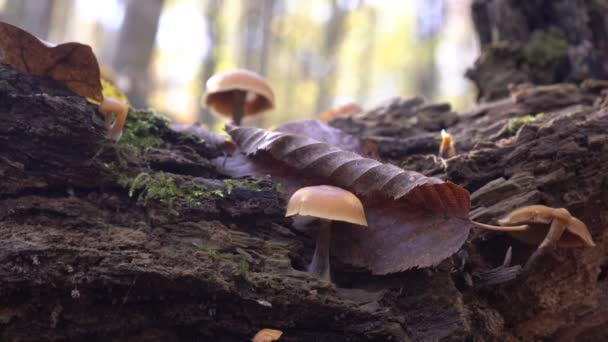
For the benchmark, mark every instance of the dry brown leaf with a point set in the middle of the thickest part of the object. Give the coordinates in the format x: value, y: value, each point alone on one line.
x: 414, y: 221
x: 73, y: 64
x: 323, y: 132
x: 267, y: 335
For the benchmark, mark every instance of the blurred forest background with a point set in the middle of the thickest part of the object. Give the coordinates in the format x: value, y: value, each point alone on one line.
x: 317, y: 54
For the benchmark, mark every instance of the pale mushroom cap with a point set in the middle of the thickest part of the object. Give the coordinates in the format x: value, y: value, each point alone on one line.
x: 327, y: 202
x: 267, y: 335
x: 534, y: 214
x: 579, y: 228
x: 341, y: 111
x: 539, y: 217
x: 220, y: 86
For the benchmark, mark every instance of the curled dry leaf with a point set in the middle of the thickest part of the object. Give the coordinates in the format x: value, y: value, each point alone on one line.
x: 323, y: 132
x: 73, y: 64
x: 414, y: 221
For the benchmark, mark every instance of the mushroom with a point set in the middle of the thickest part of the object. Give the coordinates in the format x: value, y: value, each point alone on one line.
x: 328, y: 203
x: 564, y: 230
x: 267, y: 335
x: 446, y: 149
x: 108, y: 107
x: 550, y: 228
x: 238, y: 93
x: 345, y: 110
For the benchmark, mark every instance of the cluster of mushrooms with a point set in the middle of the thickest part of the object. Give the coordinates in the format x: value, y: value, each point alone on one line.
x: 535, y: 225
x: 239, y: 93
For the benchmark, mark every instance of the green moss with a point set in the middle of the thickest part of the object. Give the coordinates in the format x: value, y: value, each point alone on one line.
x: 190, y: 139
x: 214, y: 252
x: 163, y: 189
x: 121, y: 177
x: 265, y: 283
x: 515, y: 123
x: 254, y: 184
x: 545, y: 48
x: 242, y: 269
x: 145, y: 128
x: 158, y: 187
x: 229, y: 185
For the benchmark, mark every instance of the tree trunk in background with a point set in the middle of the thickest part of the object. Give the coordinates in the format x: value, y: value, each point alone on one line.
x: 135, y: 46
x: 429, y: 21
x: 214, y: 30
x: 542, y: 42
x: 61, y: 9
x: 33, y: 16
x: 367, y: 56
x: 250, y: 35
x: 268, y: 12
x: 256, y: 40
x: 329, y: 53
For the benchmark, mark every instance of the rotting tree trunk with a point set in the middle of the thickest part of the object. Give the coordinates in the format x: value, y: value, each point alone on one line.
x: 538, y: 41
x: 195, y: 256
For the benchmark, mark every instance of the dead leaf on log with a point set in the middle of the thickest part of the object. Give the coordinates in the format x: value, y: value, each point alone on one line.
x: 414, y: 221
x: 73, y: 64
x: 323, y: 132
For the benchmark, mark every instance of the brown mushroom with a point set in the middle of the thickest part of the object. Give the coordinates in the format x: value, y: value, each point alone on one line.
x: 267, y: 335
x: 341, y: 111
x: 111, y: 106
x: 238, y: 93
x: 328, y: 203
x: 447, y: 148
x: 549, y: 228
x: 564, y: 230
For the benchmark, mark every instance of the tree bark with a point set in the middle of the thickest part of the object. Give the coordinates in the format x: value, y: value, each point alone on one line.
x: 541, y: 42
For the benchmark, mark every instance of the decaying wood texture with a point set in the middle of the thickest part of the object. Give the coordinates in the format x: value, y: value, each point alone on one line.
x: 543, y: 42
x: 195, y: 255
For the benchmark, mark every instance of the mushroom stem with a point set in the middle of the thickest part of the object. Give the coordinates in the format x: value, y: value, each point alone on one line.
x: 555, y: 232
x: 110, y: 106
x: 238, y: 109
x: 500, y: 228
x: 558, y: 227
x: 320, y: 260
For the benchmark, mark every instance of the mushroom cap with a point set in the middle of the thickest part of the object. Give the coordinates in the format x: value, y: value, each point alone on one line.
x: 348, y: 109
x: 267, y: 335
x: 220, y: 88
x: 327, y: 202
x: 539, y: 217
